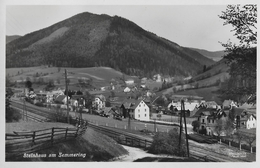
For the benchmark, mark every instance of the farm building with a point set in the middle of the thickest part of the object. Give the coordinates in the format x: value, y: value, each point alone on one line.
x: 209, y: 120
x: 137, y: 109
x: 99, y: 102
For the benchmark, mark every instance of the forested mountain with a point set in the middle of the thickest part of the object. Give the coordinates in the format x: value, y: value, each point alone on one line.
x: 11, y: 38
x: 87, y: 40
x: 214, y: 55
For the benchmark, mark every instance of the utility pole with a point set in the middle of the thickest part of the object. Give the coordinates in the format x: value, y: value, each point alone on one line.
x: 129, y: 122
x: 187, y: 143
x: 66, y: 83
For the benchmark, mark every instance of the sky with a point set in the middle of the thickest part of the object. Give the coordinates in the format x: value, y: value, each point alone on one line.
x: 196, y: 26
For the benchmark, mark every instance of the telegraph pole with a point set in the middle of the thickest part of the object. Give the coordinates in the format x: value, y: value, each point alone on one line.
x: 187, y: 143
x: 66, y: 83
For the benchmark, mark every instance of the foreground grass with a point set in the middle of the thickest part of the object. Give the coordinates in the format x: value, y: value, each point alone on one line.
x: 92, y: 146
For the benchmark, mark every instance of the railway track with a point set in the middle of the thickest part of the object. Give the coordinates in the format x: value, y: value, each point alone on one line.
x: 195, y: 151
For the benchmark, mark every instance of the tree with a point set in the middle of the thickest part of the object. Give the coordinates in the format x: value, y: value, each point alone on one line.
x: 28, y: 84
x: 242, y: 57
x: 240, y: 136
x: 220, y: 127
x: 250, y: 138
x: 168, y: 143
x: 112, y: 94
x: 196, y: 125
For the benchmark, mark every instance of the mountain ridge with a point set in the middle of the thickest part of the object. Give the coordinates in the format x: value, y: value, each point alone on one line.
x: 87, y: 40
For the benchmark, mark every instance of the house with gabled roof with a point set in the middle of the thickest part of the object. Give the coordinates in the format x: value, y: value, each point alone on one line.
x: 99, y: 102
x: 208, y: 118
x: 244, y: 118
x: 136, y: 109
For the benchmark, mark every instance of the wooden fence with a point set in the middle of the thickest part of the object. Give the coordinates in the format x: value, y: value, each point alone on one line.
x: 21, y: 142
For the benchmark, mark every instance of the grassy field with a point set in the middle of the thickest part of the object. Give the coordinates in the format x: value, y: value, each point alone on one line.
x: 207, y: 93
x: 95, y: 146
x: 101, y: 76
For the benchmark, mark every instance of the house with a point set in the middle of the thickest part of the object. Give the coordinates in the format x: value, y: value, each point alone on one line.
x: 188, y: 106
x: 127, y: 90
x: 228, y: 104
x: 244, y: 118
x: 99, y: 102
x: 210, y: 104
x: 158, y: 78
x: 251, y: 121
x: 208, y: 120
x: 130, y: 81
x: 136, y: 109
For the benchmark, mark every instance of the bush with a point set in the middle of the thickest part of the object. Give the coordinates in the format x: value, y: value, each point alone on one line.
x: 12, y: 115
x: 168, y: 143
x: 196, y: 125
x: 40, y: 104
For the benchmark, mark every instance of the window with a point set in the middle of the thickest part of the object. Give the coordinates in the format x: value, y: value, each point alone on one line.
x: 139, y: 105
x: 145, y: 115
x: 144, y: 109
x: 202, y: 120
x: 212, y: 121
x: 138, y: 110
x: 138, y: 115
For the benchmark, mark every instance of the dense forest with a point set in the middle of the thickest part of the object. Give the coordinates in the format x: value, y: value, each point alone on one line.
x: 88, y: 40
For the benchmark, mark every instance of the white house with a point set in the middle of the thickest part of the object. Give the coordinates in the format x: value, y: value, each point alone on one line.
x: 137, y: 109
x: 187, y: 105
x: 251, y: 122
x: 99, y: 102
x: 142, y: 111
x: 129, y: 81
x: 127, y: 89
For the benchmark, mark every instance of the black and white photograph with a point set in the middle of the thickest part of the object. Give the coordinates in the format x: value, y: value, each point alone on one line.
x: 128, y: 82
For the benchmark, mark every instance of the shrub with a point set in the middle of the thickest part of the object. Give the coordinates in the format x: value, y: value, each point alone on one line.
x: 12, y: 115
x: 196, y: 125
x: 168, y: 143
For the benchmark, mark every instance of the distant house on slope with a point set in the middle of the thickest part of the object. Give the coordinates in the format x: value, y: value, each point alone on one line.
x: 228, y: 104
x: 130, y: 81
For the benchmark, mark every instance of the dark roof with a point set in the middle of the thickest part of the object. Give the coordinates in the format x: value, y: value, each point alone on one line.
x: 204, y: 111
x: 131, y: 103
x: 237, y: 111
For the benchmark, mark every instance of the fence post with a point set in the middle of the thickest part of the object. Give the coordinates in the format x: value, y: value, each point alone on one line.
x: 33, y: 140
x: 66, y: 133
x: 229, y: 143
x: 52, y: 135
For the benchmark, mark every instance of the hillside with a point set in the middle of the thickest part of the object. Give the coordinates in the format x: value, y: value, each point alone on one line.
x: 214, y: 55
x: 94, y: 146
x: 8, y: 39
x: 88, y: 40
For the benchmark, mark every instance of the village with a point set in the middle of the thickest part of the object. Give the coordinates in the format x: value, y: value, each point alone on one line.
x: 135, y: 101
